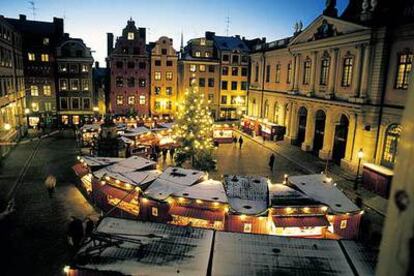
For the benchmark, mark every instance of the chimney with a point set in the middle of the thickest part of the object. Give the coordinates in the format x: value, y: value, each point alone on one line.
x: 110, y: 42
x: 210, y: 35
x: 58, y: 23
x: 96, y: 64
x: 22, y: 17
x: 237, y: 36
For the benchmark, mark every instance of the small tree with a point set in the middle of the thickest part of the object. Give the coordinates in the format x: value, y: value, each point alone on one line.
x: 193, y: 131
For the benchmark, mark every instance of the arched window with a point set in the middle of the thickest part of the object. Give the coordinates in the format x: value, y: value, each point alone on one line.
x: 276, y: 113
x: 392, y: 137
x: 266, y: 109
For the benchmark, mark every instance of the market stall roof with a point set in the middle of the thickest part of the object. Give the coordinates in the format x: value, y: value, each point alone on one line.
x: 137, y: 178
x: 364, y: 260
x: 300, y: 221
x: 126, y: 140
x: 136, y: 131
x: 197, y: 213
x: 144, y: 248
x: 100, y: 161
x: 80, y: 170
x: 318, y: 187
x: 125, y: 196
x: 131, y: 164
x: 247, y: 194
x: 210, y: 190
x: 283, y: 195
x: 90, y: 127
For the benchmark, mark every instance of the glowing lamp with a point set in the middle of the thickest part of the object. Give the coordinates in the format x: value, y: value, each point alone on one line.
x: 324, y: 208
x: 215, y: 203
x: 362, y: 212
x: 103, y: 182
x: 144, y: 200
x: 360, y: 154
x: 199, y: 201
x: 66, y: 269
x: 7, y: 126
x: 242, y: 217
x: 107, y: 178
x: 26, y: 111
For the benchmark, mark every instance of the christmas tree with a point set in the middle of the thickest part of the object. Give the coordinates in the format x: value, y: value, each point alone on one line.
x: 193, y: 131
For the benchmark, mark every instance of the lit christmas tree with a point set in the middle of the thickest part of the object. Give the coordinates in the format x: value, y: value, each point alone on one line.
x: 193, y: 131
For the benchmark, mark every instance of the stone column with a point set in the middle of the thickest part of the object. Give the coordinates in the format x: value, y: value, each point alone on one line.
x: 365, y: 71
x: 282, y: 111
x: 333, y: 71
x: 357, y: 71
x: 291, y: 127
x: 328, y: 139
x: 313, y: 73
x: 297, y: 69
x: 292, y: 74
x: 310, y: 131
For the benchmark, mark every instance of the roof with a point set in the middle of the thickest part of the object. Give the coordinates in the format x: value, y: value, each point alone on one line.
x: 148, y: 249
x: 131, y: 164
x: 100, y: 161
x: 247, y: 194
x: 136, y: 178
x: 90, y: 127
x: 319, y: 188
x: 283, y: 195
x: 210, y: 190
x: 35, y: 26
x: 230, y: 43
x: 136, y: 131
x: 217, y: 215
x: 364, y: 260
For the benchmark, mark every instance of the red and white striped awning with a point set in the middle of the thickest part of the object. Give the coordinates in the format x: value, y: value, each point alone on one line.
x: 300, y: 221
x: 197, y: 213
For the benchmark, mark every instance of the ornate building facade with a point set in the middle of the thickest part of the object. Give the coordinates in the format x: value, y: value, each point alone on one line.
x: 339, y: 85
x: 129, y: 69
x: 164, y: 91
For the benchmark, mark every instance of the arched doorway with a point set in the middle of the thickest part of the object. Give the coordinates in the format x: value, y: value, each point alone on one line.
x: 319, y: 131
x: 302, y: 114
x: 276, y: 113
x: 340, y: 139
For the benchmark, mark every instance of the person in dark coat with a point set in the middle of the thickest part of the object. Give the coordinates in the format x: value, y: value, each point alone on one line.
x: 240, y: 142
x: 234, y: 140
x: 172, y: 151
x: 75, y: 231
x: 164, y: 154
x: 89, y: 226
x: 271, y: 161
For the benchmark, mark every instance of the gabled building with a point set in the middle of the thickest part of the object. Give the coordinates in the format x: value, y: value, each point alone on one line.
x: 128, y: 63
x: 100, y: 78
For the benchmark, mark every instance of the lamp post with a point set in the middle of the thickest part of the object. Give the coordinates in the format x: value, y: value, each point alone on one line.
x: 360, y: 156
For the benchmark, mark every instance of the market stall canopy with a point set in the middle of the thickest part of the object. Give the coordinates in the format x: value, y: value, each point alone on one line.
x: 247, y: 194
x: 90, y: 127
x: 283, y: 195
x: 137, y: 178
x: 210, y: 190
x: 132, y: 132
x: 100, y: 161
x: 125, y: 196
x: 300, y: 221
x: 320, y: 188
x: 127, y: 140
x: 197, y: 213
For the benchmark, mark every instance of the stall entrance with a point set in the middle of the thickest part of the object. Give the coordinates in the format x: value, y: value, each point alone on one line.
x: 341, y: 135
x: 319, y: 132
x: 303, y: 114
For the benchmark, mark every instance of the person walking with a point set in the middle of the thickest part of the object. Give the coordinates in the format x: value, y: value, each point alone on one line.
x: 264, y: 139
x: 271, y: 162
x: 234, y: 141
x: 89, y: 226
x: 240, y: 142
x: 164, y: 154
x: 75, y: 232
x: 50, y: 184
x: 172, y: 151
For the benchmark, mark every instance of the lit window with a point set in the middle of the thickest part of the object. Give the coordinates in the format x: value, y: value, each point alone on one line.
x: 35, y: 107
x: 343, y: 224
x: 119, y: 100
x: 207, y: 54
x: 169, y: 76
x: 266, y: 109
x: 85, y: 68
x: 142, y: 99
x: 119, y: 81
x: 157, y: 105
x: 168, y: 91
x: 198, y: 54
x: 157, y: 90
x: 131, y: 36
x: 324, y: 72
x: 45, y: 41
x: 131, y: 100
x: 276, y: 113
x: 277, y: 75
x: 347, y: 72
x: 74, y: 84
x: 63, y: 84
x: 392, y: 138
x: 63, y: 67
x: 157, y: 75
x: 247, y: 228
x: 306, y: 72
x: 142, y: 82
x: 85, y: 84
x: 34, y: 90
x: 193, y: 67
x: 31, y: 56
x: 202, y: 41
x: 403, y: 70
x: 47, y: 90
x: 44, y: 57
x: 48, y: 106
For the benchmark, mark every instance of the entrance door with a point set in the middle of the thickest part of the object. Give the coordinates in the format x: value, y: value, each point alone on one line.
x: 319, y: 132
x: 303, y: 114
x: 341, y: 134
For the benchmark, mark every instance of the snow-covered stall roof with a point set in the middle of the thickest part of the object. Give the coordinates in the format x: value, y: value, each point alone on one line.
x: 318, y: 187
x: 127, y: 140
x: 145, y: 248
x: 173, y: 180
x: 125, y: 168
x: 247, y: 194
x: 132, y: 132
x: 210, y: 190
x: 100, y: 161
x: 281, y: 195
x: 90, y: 127
x: 137, y: 178
x: 243, y: 254
x: 363, y: 259
x: 163, y: 126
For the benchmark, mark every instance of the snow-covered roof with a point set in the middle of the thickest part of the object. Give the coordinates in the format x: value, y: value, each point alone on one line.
x: 145, y: 248
x: 210, y: 190
x: 283, y: 195
x: 173, y: 180
x: 136, y: 178
x: 90, y: 127
x: 247, y: 194
x: 100, y: 161
x: 166, y: 125
x: 128, y: 165
x: 136, y: 131
x: 318, y: 187
x: 127, y: 140
x: 244, y: 254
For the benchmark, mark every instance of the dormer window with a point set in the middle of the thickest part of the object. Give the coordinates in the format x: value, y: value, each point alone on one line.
x: 131, y: 36
x: 202, y: 41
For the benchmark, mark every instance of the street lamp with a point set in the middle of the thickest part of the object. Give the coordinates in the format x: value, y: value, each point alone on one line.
x: 7, y: 126
x: 360, y: 156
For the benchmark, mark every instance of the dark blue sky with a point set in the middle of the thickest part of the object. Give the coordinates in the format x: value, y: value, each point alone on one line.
x: 92, y: 19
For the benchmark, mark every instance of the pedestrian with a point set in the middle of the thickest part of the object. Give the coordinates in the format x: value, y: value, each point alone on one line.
x: 89, y: 226
x: 271, y: 161
x: 240, y: 142
x: 75, y: 232
x: 264, y: 139
x: 172, y: 151
x: 164, y: 154
x: 50, y: 184
x: 234, y: 141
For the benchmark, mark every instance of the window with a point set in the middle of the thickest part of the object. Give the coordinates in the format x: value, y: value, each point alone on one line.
x: 86, y: 103
x: 211, y: 68
x: 169, y: 63
x: 169, y: 75
x: 142, y: 82
x: 235, y: 59
x: 85, y: 68
x: 131, y: 82
x: 392, y: 138
x: 163, y: 51
x: 210, y: 97
x: 207, y: 54
x: 75, y: 103
x: 63, y: 103
x: 74, y: 84
x: 192, y: 81
x: 157, y: 90
x: 131, y: 64
x: 343, y: 224
x: 245, y: 59
x: 244, y: 71
x: 324, y: 72
x: 277, y: 75
x: 47, y: 90
x: 276, y: 113
x: 168, y: 91
x: 157, y: 62
x: 223, y: 99
x: 73, y: 68
x: 267, y: 73
x: 289, y: 73
x: 85, y: 84
x: 157, y: 105
x: 157, y: 75
x: 210, y: 82
x: 131, y: 100
x: 48, y: 106
x: 403, y: 70
x: 202, y: 41
x: 347, y: 72
x: 244, y: 85
x: 119, y: 81
x: 224, y: 85
x: 233, y: 100
x: 225, y: 58
x: 306, y: 71
x: 119, y: 64
x: 202, y: 82
x: 234, y: 85
x: 193, y: 67
x: 63, y: 84
x: 202, y: 68
x: 46, y: 41
x: 256, y: 73
x: 119, y: 100
x: 266, y: 109
x: 247, y: 228
x: 63, y: 67
x: 34, y: 90
x: 44, y: 57
x: 131, y: 36
x: 142, y: 65
x: 168, y: 105
x: 31, y: 56
x: 197, y: 54
x: 35, y: 107
x: 142, y: 99
x: 234, y: 71
x: 225, y: 70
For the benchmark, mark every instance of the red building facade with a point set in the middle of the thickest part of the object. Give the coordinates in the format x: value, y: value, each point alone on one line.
x: 129, y: 67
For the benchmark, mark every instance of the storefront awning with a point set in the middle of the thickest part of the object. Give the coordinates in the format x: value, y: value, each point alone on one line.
x: 118, y: 193
x: 300, y: 221
x: 197, y: 213
x: 80, y: 170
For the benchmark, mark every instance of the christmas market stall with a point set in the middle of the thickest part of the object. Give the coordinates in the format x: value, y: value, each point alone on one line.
x: 89, y: 132
x: 271, y: 131
x: 222, y: 133
x: 377, y: 179
x: 164, y: 135
x: 250, y: 125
